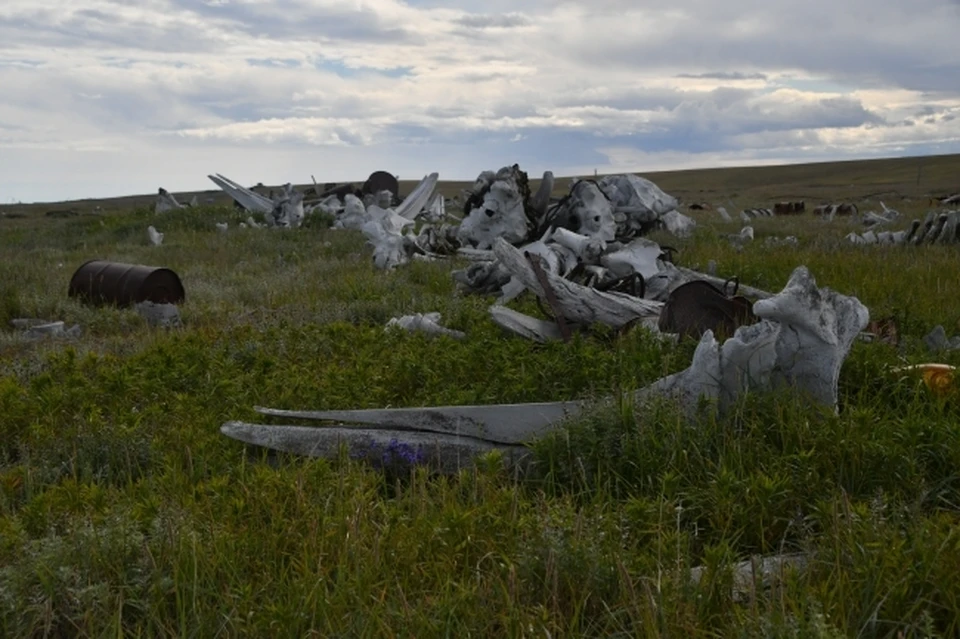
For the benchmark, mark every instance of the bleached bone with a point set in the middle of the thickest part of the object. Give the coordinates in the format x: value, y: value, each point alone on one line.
x: 723, y: 214
x: 155, y: 237
x: 194, y: 202
x: 446, y: 453
x: 869, y: 237
x: 593, y: 211
x: 428, y: 323
x: 872, y: 219
x: 251, y: 201
x: 482, y: 277
x: 642, y: 201
x: 49, y: 329
x: 242, y: 225
x: 412, y: 204
x: 541, y: 199
x: 159, y: 315
x: 949, y: 233
x: 436, y: 209
x: 389, y: 250
x: 287, y: 211
x: 354, y: 214
x: 639, y: 256
x: 501, y: 214
x: 853, y: 238
x: 925, y: 227
x: 388, y: 219
x: 801, y: 343
x: 222, y: 226
x: 587, y: 249
x: 476, y: 255
x: 757, y: 573
x: 578, y: 303
x: 252, y: 223
x: 166, y: 202
x: 525, y: 326
x: 678, y: 223
x: 746, y: 218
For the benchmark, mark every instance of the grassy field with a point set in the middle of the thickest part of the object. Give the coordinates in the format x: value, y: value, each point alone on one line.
x: 124, y: 511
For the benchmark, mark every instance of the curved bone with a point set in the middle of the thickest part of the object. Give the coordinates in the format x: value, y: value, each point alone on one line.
x: 579, y: 303
x: 446, y: 453
x: 525, y: 326
x: 253, y: 202
x: 412, y: 205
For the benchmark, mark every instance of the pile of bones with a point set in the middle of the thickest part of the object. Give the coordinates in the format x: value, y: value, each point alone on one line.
x: 585, y: 256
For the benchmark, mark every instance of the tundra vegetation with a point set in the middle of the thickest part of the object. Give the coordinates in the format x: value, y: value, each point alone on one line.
x: 124, y: 510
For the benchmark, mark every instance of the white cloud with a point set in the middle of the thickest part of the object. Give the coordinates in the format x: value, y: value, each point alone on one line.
x: 163, y: 92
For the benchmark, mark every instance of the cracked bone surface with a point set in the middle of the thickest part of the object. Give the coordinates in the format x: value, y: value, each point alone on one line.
x: 288, y: 209
x: 801, y: 342
x: 578, y: 303
x: 499, y: 214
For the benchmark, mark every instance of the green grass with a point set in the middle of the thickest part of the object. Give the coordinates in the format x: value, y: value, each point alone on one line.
x: 124, y: 511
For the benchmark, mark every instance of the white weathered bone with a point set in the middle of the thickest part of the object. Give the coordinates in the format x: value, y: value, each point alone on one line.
x: 222, y: 226
x: 757, y: 573
x: 593, y: 211
x: 288, y: 209
x: 428, y: 323
x: 585, y: 248
x: 579, y: 303
x: 412, y: 204
x: 801, y: 344
x: 541, y: 199
x: 525, y: 326
x: 641, y: 200
x: 500, y: 215
x: 639, y: 256
x: 678, y: 223
x: 354, y: 214
x: 389, y: 250
x: 723, y: 214
x: 155, y: 237
x: 159, y: 315
x: 250, y: 200
x: 166, y: 202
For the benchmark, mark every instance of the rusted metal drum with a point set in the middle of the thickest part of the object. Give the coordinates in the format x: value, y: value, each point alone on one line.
x: 381, y: 181
x: 102, y: 282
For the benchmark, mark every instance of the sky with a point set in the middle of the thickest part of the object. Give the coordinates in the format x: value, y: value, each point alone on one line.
x: 102, y: 98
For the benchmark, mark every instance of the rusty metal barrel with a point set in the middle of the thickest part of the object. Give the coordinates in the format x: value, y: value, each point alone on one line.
x: 381, y: 181
x: 103, y: 282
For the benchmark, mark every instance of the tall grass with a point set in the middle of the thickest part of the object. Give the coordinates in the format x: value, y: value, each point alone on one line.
x: 123, y: 510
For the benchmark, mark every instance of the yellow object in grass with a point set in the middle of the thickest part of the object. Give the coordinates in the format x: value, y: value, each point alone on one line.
x: 937, y: 377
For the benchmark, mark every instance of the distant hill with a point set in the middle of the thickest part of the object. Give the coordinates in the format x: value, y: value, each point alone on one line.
x: 891, y: 179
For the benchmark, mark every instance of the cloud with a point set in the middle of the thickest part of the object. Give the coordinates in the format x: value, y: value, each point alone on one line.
x: 723, y: 75
x: 167, y: 91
